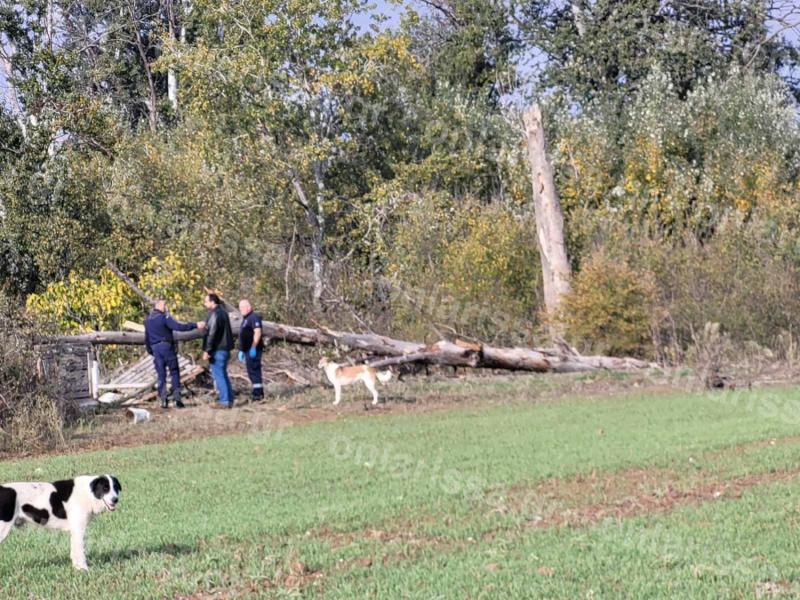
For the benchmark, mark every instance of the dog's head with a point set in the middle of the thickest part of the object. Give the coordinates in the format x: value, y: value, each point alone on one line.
x: 105, y: 490
x: 323, y: 362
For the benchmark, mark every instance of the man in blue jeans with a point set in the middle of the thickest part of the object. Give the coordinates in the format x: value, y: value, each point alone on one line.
x: 217, y: 346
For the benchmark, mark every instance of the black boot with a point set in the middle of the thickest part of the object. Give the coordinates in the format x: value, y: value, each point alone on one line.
x: 176, y: 396
x: 164, y: 401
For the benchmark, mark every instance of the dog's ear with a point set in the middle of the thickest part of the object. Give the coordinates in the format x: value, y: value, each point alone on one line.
x: 117, y: 484
x: 100, y: 486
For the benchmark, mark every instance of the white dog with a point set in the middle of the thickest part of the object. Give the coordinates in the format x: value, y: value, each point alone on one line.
x: 340, y: 376
x: 68, y: 505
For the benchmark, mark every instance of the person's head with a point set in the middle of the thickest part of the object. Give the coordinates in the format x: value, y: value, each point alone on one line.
x: 160, y: 305
x: 211, y: 301
x: 245, y: 307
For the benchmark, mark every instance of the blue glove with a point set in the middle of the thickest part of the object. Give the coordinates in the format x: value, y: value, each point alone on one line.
x: 241, y: 356
x: 253, y: 353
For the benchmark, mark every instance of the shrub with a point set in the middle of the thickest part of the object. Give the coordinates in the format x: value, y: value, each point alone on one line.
x: 84, y: 304
x: 32, y: 417
x: 740, y: 279
x: 493, y: 265
x: 610, y: 308
x: 461, y: 266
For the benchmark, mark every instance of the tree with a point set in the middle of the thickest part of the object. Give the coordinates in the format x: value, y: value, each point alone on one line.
x: 301, y: 94
x: 606, y: 49
x: 556, y: 270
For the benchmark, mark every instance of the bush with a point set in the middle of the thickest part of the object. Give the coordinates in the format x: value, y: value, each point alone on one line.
x: 741, y: 279
x: 610, y: 308
x: 84, y: 304
x: 474, y: 269
x: 32, y: 417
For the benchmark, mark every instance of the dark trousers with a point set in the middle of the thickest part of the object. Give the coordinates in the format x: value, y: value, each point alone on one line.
x: 164, y: 358
x: 254, y: 373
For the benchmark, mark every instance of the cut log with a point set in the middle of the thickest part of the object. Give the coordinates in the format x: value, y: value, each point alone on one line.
x: 456, y: 353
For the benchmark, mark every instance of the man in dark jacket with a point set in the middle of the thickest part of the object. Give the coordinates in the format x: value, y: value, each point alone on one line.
x: 217, y: 346
x: 251, y: 346
x: 160, y: 344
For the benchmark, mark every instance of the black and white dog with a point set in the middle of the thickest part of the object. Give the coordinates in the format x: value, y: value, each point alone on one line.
x: 68, y: 505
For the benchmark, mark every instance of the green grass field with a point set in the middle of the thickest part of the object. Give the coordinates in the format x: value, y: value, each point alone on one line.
x: 444, y: 504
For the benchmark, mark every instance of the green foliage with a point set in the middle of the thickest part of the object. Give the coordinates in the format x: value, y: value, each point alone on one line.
x: 81, y: 304
x: 741, y: 279
x: 471, y: 268
x: 610, y: 307
x: 672, y: 166
x: 493, y: 262
x: 606, y: 49
x: 305, y: 162
x: 468, y: 45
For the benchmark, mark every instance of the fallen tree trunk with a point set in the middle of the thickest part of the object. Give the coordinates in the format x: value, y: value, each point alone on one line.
x: 458, y: 353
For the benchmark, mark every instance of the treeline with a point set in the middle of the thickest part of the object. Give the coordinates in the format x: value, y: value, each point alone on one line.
x: 376, y: 177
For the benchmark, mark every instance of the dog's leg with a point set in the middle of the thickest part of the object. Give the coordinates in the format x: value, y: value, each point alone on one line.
x: 77, y: 549
x: 5, y: 529
x: 370, y: 383
x: 338, y: 389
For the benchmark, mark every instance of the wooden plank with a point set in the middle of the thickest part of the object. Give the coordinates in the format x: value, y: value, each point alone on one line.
x: 122, y: 386
x: 131, y: 326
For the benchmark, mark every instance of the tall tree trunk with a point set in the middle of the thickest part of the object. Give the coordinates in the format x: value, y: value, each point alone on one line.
x: 318, y: 238
x: 7, y: 52
x: 549, y: 218
x: 316, y: 222
x: 177, y: 31
x: 172, y: 76
x: 152, y: 96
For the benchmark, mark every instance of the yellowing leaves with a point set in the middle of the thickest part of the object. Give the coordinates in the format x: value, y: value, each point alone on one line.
x: 81, y: 304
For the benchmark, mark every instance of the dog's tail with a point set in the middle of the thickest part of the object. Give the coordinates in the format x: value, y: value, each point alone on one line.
x: 384, y: 376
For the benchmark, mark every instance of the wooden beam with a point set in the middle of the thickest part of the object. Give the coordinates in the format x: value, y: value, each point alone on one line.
x: 443, y: 352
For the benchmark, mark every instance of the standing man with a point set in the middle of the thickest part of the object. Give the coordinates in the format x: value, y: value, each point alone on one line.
x: 160, y: 344
x: 251, y: 345
x: 217, y: 346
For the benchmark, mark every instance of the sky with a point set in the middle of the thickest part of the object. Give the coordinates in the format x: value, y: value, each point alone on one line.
x: 389, y: 9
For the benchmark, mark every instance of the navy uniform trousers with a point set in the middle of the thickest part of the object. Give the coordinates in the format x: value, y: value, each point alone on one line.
x: 254, y: 374
x: 164, y: 358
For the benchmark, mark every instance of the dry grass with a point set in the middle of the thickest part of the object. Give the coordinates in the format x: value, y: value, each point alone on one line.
x: 31, y: 415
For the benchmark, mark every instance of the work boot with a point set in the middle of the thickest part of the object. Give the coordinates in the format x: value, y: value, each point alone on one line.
x: 164, y: 402
x: 176, y: 396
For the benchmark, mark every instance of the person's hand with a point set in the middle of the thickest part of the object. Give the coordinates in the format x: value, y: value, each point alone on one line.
x: 252, y: 353
x: 206, y: 356
x: 241, y: 356
x: 201, y: 325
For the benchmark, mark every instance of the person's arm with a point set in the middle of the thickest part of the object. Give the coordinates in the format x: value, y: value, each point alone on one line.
x: 210, y: 341
x: 147, y: 345
x: 256, y: 331
x: 178, y: 326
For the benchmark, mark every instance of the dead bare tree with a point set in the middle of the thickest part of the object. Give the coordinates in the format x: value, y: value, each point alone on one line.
x: 556, y: 270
